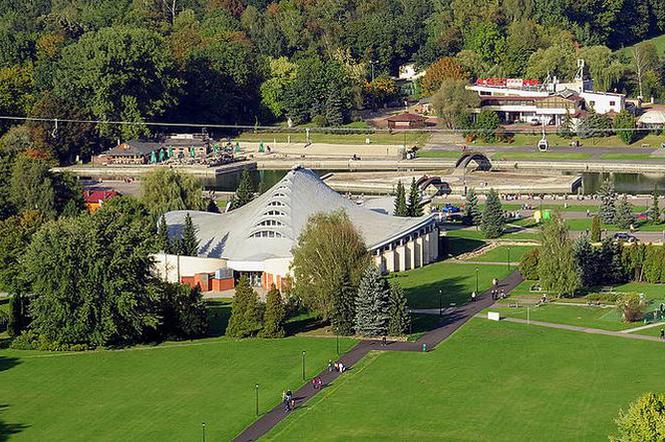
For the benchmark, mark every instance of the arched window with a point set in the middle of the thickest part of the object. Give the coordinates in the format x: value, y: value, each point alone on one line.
x: 276, y: 204
x: 274, y: 213
x: 266, y: 234
x: 280, y: 194
x: 270, y: 222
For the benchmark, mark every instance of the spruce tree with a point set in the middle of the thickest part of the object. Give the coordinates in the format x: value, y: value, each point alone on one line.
x: 189, y: 243
x: 654, y: 210
x: 472, y: 214
x: 274, y: 315
x: 567, y: 128
x: 163, y: 243
x: 245, y: 313
x: 334, y: 111
x: 372, y: 304
x: 608, y: 198
x: 399, y: 318
x: 244, y: 192
x: 492, y: 220
x: 344, y: 307
x: 595, y: 229
x: 624, y: 213
x: 413, y: 205
x: 585, y: 260
x: 400, y: 200
x: 18, y: 315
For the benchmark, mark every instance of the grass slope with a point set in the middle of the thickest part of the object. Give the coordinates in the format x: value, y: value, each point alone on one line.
x: 456, y: 282
x: 606, y: 318
x: 151, y: 394
x: 490, y: 381
x: 500, y: 254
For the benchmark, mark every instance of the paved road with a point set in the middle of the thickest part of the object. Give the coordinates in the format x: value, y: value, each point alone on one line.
x: 450, y: 323
x: 558, y: 149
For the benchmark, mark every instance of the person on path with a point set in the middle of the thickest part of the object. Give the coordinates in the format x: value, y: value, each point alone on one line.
x: 383, y: 341
x: 330, y: 366
x: 319, y: 381
x: 662, y: 333
x: 473, y: 296
x: 503, y: 294
x: 494, y: 282
x: 314, y: 384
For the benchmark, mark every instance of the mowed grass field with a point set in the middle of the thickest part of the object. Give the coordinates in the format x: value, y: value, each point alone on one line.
x: 299, y: 136
x: 456, y: 282
x: 501, y: 254
x: 490, y: 381
x: 605, y: 318
x: 151, y: 394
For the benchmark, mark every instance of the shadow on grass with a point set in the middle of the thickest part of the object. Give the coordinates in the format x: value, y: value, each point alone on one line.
x: 8, y: 429
x: 219, y: 313
x: 458, y: 246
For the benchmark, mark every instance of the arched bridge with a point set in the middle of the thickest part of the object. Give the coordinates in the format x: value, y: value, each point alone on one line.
x: 480, y: 159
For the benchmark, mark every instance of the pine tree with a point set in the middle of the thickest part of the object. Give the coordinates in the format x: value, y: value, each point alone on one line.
x: 624, y: 213
x: 492, y: 220
x: 585, y: 259
x: 567, y: 128
x: 244, y: 192
x: 608, y: 198
x: 400, y: 200
x: 595, y: 229
x: 399, y: 318
x: 654, y: 210
x: 245, y: 314
x: 334, y: 109
x: 344, y: 307
x: 18, y: 315
x: 274, y: 315
x: 472, y: 214
x: 189, y: 243
x: 163, y: 243
x: 413, y: 205
x: 372, y: 304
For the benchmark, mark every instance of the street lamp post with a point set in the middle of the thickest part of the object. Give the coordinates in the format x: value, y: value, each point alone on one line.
x: 440, y: 311
x: 476, y: 280
x: 509, y: 258
x: 303, y: 365
x: 337, y: 344
x: 372, y: 63
x: 203, y: 429
x: 256, y: 397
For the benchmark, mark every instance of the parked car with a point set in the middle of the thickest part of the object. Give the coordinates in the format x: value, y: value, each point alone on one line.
x: 625, y: 237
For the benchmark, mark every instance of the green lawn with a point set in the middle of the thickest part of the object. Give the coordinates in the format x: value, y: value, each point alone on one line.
x: 651, y: 291
x: 658, y: 42
x: 629, y: 156
x: 458, y: 246
x: 500, y: 254
x: 478, y: 235
x: 606, y: 318
x: 537, y: 156
x: 521, y: 140
x: 299, y: 136
x: 456, y: 282
x: 585, y: 223
x: 152, y: 393
x: 490, y: 381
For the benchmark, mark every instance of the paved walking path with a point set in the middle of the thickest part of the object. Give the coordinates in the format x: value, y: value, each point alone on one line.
x: 595, y: 331
x: 450, y: 323
x: 644, y: 327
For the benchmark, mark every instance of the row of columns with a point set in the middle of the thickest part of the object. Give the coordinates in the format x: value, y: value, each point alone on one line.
x: 415, y: 253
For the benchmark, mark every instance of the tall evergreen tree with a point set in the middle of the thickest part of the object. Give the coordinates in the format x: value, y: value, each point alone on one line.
x: 413, y: 205
x: 595, y: 229
x: 624, y: 213
x: 556, y: 263
x: 472, y: 214
x: 189, y: 243
x: 398, y: 311
x: 274, y: 315
x: 585, y: 260
x: 244, y: 192
x: 344, y: 307
x: 567, y: 127
x: 334, y: 109
x: 163, y: 243
x: 492, y: 220
x: 400, y: 200
x: 19, y: 317
x: 372, y: 304
x: 654, y: 210
x: 608, y: 198
x: 245, y: 314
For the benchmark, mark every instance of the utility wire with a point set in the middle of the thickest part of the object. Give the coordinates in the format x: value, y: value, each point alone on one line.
x: 301, y: 129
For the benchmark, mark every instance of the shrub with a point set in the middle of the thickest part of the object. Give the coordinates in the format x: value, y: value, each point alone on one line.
x: 607, y: 297
x: 631, y: 306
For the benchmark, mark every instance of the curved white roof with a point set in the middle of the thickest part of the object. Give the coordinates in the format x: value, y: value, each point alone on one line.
x: 269, y: 226
x: 652, y: 117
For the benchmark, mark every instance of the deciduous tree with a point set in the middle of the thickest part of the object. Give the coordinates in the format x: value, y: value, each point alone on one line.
x: 164, y: 189
x: 643, y: 421
x: 556, y: 263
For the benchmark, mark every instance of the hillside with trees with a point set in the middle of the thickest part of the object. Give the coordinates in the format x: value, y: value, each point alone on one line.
x: 259, y: 62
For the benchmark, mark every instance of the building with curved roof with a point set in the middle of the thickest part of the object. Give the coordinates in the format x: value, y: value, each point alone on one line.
x: 257, y: 238
x: 652, y: 119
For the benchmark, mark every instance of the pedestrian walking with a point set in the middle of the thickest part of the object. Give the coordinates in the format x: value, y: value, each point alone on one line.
x: 383, y: 341
x: 662, y: 333
x: 314, y: 384
x: 494, y: 282
x: 503, y: 294
x: 330, y: 366
x: 473, y: 296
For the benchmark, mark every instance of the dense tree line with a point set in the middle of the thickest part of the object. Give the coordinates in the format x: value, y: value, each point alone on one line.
x: 249, y: 61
